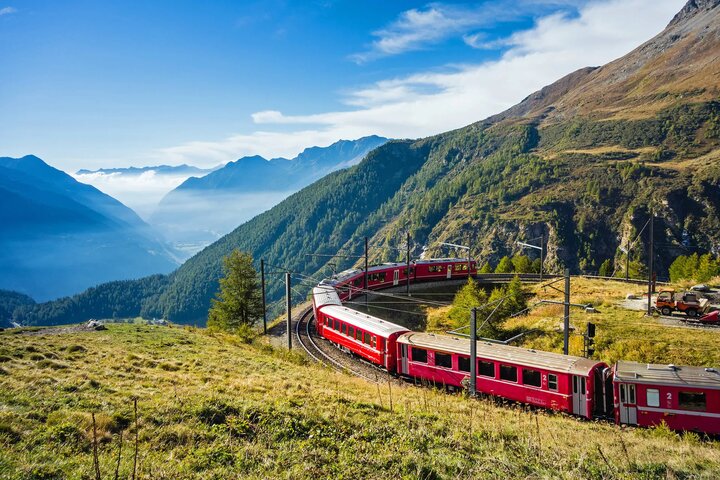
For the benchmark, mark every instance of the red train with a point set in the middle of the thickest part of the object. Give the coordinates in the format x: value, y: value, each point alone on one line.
x: 685, y: 398
x: 350, y: 282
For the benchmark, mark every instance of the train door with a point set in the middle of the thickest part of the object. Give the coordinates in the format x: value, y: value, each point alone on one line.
x: 404, y: 359
x: 579, y: 395
x: 449, y: 271
x: 628, y: 407
x: 396, y: 277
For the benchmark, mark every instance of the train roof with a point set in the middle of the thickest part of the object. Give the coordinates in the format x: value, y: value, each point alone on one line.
x: 670, y: 375
x: 441, y: 260
x: 493, y: 351
x: 325, y: 295
x: 375, y: 325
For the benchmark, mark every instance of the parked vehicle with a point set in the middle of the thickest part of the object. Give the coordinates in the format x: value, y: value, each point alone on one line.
x: 689, y: 303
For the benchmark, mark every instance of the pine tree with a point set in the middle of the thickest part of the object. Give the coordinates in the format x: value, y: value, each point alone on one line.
x: 486, y: 268
x: 471, y: 295
x: 505, y: 266
x: 606, y: 268
x: 522, y: 264
x: 238, y: 304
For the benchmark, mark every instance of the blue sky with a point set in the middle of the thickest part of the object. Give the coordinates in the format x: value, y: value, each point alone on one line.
x: 90, y: 84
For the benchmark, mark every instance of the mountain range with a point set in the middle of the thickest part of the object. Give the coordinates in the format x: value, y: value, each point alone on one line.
x: 157, y: 169
x: 61, y: 236
x: 581, y: 165
x: 202, y: 209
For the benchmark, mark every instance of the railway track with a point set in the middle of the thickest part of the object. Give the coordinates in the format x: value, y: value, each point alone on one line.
x: 326, y: 353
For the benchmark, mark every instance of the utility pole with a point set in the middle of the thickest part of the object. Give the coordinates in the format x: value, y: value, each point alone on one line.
x: 288, y: 305
x: 627, y: 264
x: 366, y: 273
x: 651, y: 265
x: 566, y: 319
x: 407, y: 272
x: 262, y: 281
x: 542, y: 240
x: 473, y: 351
x: 469, y: 258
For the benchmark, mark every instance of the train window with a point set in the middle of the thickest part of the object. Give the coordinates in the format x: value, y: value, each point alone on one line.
x: 357, y: 282
x: 419, y: 355
x: 508, y: 372
x: 359, y: 335
x: 461, y: 267
x: 412, y: 271
x: 464, y: 364
x: 337, y: 325
x: 631, y: 391
x: 692, y: 400
x: 366, y: 339
x: 486, y: 369
x: 653, y: 397
x: 552, y: 382
x: 351, y: 332
x: 443, y: 360
x: 373, y: 341
x: 345, y: 328
x: 531, y: 377
x: 622, y: 393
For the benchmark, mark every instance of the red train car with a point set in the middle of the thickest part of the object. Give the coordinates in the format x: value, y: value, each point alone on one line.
x: 350, y: 282
x: 443, y: 268
x: 364, y: 335
x: 565, y: 383
x: 685, y: 398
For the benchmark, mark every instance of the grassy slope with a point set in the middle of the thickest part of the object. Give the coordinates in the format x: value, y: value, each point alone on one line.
x: 620, y: 333
x: 213, y: 408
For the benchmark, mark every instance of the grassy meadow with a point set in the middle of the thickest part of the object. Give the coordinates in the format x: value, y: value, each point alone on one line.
x: 212, y: 407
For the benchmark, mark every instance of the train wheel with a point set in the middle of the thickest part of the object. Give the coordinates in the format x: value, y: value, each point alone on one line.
x: 665, y: 311
x: 692, y: 313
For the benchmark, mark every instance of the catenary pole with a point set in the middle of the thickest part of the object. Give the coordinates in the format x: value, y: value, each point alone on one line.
x: 651, y: 265
x: 407, y: 272
x: 473, y: 351
x: 566, y: 313
x: 262, y: 282
x: 288, y: 305
x: 366, y: 273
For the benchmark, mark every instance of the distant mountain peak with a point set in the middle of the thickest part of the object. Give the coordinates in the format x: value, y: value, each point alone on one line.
x: 692, y: 8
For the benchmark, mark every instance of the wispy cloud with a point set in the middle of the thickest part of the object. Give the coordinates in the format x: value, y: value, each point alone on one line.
x: 7, y: 11
x: 420, y: 28
x: 427, y: 103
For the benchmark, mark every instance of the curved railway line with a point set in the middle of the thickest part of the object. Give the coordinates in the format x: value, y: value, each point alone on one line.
x: 322, y: 351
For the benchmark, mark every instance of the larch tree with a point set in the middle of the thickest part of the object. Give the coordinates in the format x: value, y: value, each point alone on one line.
x: 238, y: 304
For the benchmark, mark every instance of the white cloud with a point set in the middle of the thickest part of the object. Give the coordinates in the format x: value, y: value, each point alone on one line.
x: 427, y: 103
x: 7, y: 11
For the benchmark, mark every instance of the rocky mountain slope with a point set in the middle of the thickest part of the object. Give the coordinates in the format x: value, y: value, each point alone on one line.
x: 60, y: 236
x: 581, y: 164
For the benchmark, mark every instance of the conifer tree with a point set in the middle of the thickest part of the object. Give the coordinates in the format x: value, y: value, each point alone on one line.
x: 505, y: 266
x: 238, y: 304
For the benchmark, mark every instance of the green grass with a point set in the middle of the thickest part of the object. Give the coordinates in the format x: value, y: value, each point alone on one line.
x: 213, y: 407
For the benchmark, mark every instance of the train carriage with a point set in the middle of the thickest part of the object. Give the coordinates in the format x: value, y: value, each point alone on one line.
x: 369, y: 337
x: 685, y: 398
x: 444, y: 268
x: 545, y: 379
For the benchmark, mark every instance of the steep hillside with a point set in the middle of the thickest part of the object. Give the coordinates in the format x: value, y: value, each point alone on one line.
x: 585, y: 176
x: 581, y: 163
x: 60, y: 236
x: 202, y: 209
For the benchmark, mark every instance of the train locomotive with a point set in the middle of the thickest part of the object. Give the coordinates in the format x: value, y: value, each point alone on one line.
x: 628, y: 393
